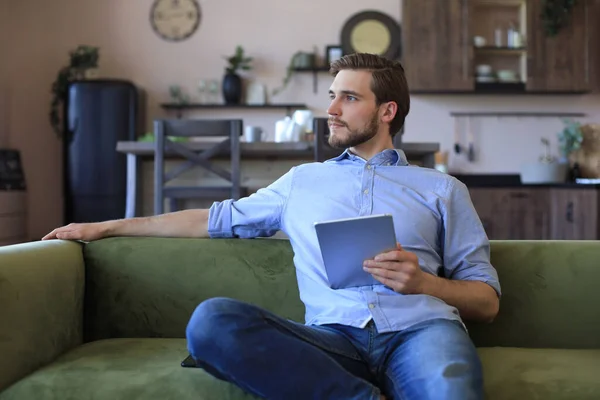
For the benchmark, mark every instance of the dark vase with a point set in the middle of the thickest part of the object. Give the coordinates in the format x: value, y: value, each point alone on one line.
x: 232, y: 88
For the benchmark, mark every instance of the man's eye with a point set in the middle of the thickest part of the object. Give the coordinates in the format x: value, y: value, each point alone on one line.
x: 351, y: 98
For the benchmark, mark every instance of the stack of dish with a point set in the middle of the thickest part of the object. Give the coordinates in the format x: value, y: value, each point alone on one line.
x: 507, y: 76
x: 485, y: 73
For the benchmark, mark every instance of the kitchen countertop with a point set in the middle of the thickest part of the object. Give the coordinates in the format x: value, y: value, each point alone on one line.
x: 514, y: 181
x: 271, y: 150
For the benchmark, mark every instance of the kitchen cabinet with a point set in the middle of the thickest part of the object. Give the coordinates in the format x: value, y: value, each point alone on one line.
x: 439, y: 54
x: 436, y: 50
x: 561, y: 62
x: 574, y: 214
x: 538, y: 213
x: 513, y: 213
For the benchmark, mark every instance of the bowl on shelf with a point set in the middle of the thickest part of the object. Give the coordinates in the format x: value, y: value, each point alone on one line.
x: 483, y: 69
x: 479, y: 41
x: 485, y: 79
x: 507, y: 75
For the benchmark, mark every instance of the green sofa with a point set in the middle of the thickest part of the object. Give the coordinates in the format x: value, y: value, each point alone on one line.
x: 106, y: 320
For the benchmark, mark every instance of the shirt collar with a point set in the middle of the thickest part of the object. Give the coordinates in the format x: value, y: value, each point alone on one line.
x: 395, y: 157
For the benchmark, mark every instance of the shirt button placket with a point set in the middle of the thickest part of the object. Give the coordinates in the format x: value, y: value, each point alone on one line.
x: 366, y: 198
x: 369, y: 192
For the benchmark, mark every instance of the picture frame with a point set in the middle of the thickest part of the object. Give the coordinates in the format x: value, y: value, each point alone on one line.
x: 333, y: 53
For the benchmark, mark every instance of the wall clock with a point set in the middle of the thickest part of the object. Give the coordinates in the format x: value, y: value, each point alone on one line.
x: 372, y: 32
x: 175, y: 20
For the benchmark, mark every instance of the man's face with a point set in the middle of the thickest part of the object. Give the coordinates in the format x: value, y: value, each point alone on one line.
x: 353, y: 113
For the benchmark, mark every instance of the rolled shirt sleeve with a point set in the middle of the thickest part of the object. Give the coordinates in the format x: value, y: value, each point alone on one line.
x: 466, y: 245
x: 258, y: 215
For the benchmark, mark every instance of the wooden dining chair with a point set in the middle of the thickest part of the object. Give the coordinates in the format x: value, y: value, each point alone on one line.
x: 165, y: 129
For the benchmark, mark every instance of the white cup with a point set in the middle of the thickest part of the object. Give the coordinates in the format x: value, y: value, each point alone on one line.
x: 252, y: 134
x: 281, y: 130
x: 479, y: 41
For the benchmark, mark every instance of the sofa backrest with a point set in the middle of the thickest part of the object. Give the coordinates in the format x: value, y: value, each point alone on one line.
x: 550, y: 295
x: 148, y: 287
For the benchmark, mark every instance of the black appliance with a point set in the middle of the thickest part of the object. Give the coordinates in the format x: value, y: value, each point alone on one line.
x: 98, y: 114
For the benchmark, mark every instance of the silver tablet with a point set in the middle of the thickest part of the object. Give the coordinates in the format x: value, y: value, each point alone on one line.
x: 346, y: 243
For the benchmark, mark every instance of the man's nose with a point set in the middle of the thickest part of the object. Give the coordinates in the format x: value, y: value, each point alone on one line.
x: 334, y: 108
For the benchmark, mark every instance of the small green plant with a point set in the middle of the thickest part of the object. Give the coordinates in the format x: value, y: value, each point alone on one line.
x: 570, y: 138
x: 177, y: 95
x: 238, y: 61
x: 547, y: 158
x: 289, y: 71
x: 81, y: 59
x: 555, y: 15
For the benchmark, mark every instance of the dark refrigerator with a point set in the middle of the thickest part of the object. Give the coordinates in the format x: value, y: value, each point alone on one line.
x: 98, y: 114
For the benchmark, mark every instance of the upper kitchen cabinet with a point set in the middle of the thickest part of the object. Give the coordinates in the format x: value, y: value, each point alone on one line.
x: 561, y: 62
x: 436, y: 51
x: 498, y: 46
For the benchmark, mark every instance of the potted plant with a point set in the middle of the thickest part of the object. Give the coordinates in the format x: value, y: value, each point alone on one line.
x: 547, y: 169
x: 82, y: 60
x: 570, y: 138
x: 300, y: 59
x: 555, y: 15
x: 232, y: 82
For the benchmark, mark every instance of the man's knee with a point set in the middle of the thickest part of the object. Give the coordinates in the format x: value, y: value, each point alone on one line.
x: 211, y: 319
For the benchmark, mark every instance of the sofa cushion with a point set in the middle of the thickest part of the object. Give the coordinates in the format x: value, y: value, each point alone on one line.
x: 519, y: 373
x: 123, y: 369
x: 150, y: 369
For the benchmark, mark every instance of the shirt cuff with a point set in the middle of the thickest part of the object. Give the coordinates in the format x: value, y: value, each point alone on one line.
x: 489, y: 280
x: 219, y: 220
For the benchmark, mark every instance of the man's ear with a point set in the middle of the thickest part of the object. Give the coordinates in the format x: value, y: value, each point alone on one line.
x: 389, y: 111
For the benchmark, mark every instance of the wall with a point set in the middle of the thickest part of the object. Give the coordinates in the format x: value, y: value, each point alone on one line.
x: 271, y: 31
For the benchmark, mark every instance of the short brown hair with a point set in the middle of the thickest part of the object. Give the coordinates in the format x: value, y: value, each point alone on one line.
x: 388, y: 82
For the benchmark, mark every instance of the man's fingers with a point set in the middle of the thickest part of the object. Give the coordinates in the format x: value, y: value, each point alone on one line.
x: 52, y: 235
x: 392, y: 264
x: 48, y: 236
x: 395, y: 275
x: 393, y: 255
x: 387, y: 282
x: 388, y: 273
x: 67, y: 235
x: 55, y: 232
x: 397, y: 255
x: 397, y: 284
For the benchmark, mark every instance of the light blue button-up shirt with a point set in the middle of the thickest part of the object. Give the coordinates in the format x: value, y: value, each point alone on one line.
x: 433, y: 217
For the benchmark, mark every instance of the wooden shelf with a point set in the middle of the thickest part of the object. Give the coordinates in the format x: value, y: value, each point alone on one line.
x: 500, y: 87
x: 314, y: 71
x: 557, y: 114
x: 177, y: 106
x: 192, y: 106
x: 500, y: 3
x: 499, y: 91
x: 500, y: 50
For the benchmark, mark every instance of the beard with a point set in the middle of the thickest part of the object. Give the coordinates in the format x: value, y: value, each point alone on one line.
x: 353, y: 137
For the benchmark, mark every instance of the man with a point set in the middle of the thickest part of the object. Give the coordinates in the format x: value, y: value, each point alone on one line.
x: 403, y: 339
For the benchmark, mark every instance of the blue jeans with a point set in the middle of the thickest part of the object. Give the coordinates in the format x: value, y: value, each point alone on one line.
x: 275, y: 358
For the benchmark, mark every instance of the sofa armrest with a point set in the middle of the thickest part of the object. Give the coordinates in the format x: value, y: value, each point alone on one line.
x: 41, y: 305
